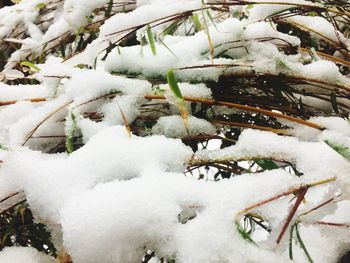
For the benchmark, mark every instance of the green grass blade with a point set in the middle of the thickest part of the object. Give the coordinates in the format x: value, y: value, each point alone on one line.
x: 30, y: 65
x: 70, y: 134
x: 2, y: 147
x: 243, y: 233
x: 291, y: 242
x: 170, y: 29
x: 109, y: 9
x: 151, y: 40
x: 342, y: 150
x: 278, y: 12
x: 40, y: 6
x: 181, y: 103
x: 162, y: 42
x: 69, y: 144
x: 173, y: 84
x: 301, y: 242
x: 196, y: 23
x: 267, y: 164
x: 211, y: 19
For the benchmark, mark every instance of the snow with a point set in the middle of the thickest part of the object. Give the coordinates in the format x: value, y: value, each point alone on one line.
x: 127, y: 242
x: 105, y: 157
x: 324, y: 70
x: 261, y: 11
x: 129, y: 187
x: 86, y: 85
x: 18, y: 132
x: 76, y: 12
x: 265, y: 30
x: 21, y: 92
x: 146, y: 14
x: 188, y: 51
x: 314, y: 24
x: 23, y: 255
x: 173, y: 126
x: 188, y: 90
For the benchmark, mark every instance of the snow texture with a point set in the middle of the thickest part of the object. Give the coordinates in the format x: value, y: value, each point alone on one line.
x: 120, y: 194
x: 23, y: 255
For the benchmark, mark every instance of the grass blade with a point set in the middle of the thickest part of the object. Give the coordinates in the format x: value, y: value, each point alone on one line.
x: 291, y: 242
x: 151, y: 40
x: 243, y: 233
x: 181, y: 102
x: 299, y: 199
x: 196, y: 23
x: 342, y: 150
x: 301, y: 242
x: 173, y: 84
x: 170, y: 29
x: 4, y: 148
x: 70, y: 133
x: 267, y: 164
x: 210, y: 42
x: 109, y: 9
x: 30, y: 65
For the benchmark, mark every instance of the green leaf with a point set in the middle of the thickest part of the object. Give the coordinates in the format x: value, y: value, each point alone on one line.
x: 151, y: 40
x: 109, y: 9
x: 312, y: 13
x: 41, y: 6
x: 181, y: 103
x: 81, y: 66
x: 70, y: 144
x: 196, y: 23
x: 30, y: 65
x: 2, y: 147
x: 236, y: 14
x: 170, y: 29
x: 314, y: 54
x: 281, y: 65
x: 342, y: 150
x: 243, y: 233
x: 71, y: 132
x: 267, y: 164
x: 173, y: 84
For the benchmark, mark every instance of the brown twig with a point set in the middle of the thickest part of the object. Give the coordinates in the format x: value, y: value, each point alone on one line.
x: 29, y: 135
x: 251, y: 126
x: 300, y: 197
x: 246, y: 108
x: 332, y: 224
